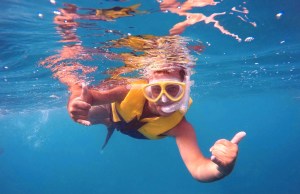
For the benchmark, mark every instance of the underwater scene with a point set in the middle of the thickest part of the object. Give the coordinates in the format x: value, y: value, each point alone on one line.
x: 241, y: 66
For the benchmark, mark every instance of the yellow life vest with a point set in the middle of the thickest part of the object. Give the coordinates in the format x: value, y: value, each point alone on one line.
x: 127, y: 116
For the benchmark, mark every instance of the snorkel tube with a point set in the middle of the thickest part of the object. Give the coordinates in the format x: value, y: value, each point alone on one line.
x: 186, y: 98
x: 183, y: 104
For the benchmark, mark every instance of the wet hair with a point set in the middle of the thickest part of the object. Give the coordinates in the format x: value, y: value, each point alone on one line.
x: 182, y: 72
x: 170, y: 53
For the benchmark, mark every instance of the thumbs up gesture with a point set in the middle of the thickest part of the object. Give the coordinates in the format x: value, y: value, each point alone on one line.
x: 224, y: 152
x: 79, y: 107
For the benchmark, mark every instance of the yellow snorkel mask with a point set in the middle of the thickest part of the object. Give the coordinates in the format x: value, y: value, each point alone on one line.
x: 173, y: 90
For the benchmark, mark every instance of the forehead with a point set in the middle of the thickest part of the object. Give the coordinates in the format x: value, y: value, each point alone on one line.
x: 165, y: 74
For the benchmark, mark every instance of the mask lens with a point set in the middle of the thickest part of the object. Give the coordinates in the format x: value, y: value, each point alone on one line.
x: 156, y: 90
x: 153, y: 91
x: 174, y: 90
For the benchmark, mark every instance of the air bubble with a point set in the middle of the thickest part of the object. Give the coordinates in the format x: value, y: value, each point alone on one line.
x: 249, y: 39
x: 57, y: 12
x: 279, y: 15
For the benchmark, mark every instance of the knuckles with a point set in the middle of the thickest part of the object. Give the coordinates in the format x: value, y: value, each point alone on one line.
x: 77, y: 110
x: 225, y: 152
x: 225, y: 148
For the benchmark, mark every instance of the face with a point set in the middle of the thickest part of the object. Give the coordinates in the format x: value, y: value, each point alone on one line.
x: 164, y: 100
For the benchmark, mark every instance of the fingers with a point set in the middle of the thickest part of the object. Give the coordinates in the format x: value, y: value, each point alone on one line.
x: 77, y: 103
x: 79, y: 111
x: 81, y: 119
x: 223, y: 149
x: 224, y: 152
x: 238, y: 137
x: 79, y: 107
x: 84, y: 122
x: 216, y: 160
x: 216, y: 153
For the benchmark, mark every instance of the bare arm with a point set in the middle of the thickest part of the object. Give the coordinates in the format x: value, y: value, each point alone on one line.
x: 97, y: 97
x: 82, y: 105
x: 201, y: 168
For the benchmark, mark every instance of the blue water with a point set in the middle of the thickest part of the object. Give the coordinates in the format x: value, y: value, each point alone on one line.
x: 251, y: 86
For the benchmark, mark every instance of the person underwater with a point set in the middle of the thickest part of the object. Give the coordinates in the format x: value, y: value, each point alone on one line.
x: 154, y: 108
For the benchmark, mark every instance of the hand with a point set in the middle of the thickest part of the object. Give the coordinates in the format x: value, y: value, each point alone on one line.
x: 79, y: 107
x: 224, y: 152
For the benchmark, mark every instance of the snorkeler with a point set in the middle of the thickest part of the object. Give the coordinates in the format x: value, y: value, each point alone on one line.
x: 154, y: 108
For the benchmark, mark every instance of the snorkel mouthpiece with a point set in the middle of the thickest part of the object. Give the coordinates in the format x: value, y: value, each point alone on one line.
x: 171, y: 108
x: 183, y: 104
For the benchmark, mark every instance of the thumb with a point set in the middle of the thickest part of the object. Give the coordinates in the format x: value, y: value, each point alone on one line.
x: 84, y: 92
x: 238, y: 137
